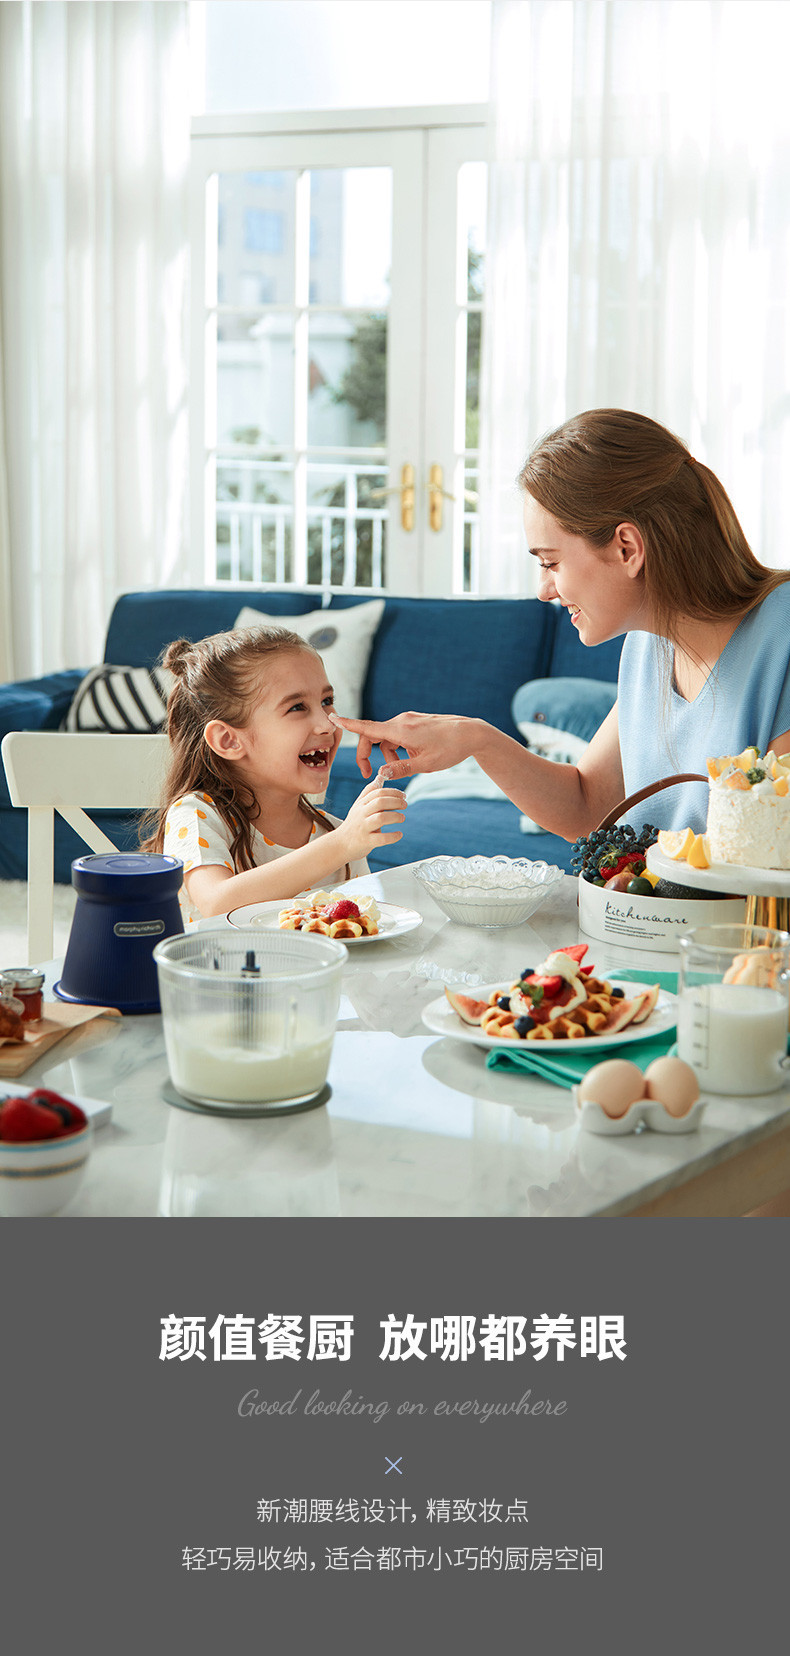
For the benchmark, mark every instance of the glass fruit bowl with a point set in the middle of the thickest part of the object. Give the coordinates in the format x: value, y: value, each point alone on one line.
x: 487, y: 891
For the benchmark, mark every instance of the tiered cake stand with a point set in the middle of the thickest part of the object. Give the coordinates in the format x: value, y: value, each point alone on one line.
x: 767, y: 890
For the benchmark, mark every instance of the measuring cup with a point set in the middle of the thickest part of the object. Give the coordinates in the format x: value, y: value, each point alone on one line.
x: 734, y: 998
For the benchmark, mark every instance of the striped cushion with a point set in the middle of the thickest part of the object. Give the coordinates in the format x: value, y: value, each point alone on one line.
x: 128, y: 700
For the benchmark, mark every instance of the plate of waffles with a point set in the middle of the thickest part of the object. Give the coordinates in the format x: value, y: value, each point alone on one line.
x: 376, y: 922
x: 441, y: 1018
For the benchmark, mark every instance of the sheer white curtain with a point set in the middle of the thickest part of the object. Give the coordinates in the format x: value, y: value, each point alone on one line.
x: 6, y: 633
x: 639, y: 235
x: 94, y: 150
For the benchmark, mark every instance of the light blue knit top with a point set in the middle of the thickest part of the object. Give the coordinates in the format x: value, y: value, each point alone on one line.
x: 745, y: 702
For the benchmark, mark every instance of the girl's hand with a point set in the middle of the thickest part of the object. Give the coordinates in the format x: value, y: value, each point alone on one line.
x: 433, y: 741
x: 376, y: 809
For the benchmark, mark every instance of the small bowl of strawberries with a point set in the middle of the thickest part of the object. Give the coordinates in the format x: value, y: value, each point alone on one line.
x: 45, y: 1142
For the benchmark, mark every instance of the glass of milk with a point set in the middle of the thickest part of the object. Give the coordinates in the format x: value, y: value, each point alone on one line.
x: 734, y: 988
x: 249, y: 1018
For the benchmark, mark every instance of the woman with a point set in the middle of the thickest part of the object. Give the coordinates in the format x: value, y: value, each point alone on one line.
x: 632, y: 535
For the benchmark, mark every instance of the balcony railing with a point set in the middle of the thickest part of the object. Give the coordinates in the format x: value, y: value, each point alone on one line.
x: 344, y: 538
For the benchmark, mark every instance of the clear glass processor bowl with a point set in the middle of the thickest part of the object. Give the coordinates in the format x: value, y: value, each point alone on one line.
x: 487, y: 891
x: 249, y: 1019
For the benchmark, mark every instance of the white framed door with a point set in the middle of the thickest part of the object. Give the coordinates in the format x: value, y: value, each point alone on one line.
x: 327, y: 272
x: 455, y: 194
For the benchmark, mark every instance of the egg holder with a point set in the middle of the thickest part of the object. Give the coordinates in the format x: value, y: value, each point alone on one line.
x: 649, y: 1112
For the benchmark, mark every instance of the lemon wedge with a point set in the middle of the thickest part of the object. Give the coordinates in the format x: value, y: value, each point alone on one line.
x: 737, y: 781
x: 747, y: 760
x: 676, y: 843
x: 716, y: 766
x: 699, y: 853
x: 780, y: 787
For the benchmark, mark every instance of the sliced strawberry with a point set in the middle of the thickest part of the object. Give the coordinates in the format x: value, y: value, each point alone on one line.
x: 577, y: 952
x: 343, y: 909
x: 550, y: 985
x: 22, y: 1121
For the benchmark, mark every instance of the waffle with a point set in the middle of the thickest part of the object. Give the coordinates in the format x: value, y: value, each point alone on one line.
x: 298, y: 918
x: 601, y: 1013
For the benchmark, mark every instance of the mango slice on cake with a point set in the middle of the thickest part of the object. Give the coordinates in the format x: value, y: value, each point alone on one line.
x: 747, y: 760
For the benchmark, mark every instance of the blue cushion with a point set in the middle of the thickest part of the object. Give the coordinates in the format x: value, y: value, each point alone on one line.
x: 37, y: 704
x: 143, y: 623
x: 572, y: 659
x: 578, y: 705
x: 468, y: 656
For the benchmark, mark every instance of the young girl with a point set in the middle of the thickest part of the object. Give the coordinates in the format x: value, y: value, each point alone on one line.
x: 250, y: 737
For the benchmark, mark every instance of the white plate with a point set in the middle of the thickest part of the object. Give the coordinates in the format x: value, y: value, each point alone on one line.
x: 440, y: 1018
x: 393, y: 922
x: 735, y: 878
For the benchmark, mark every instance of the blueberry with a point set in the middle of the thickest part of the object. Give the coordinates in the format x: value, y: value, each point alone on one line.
x: 527, y: 972
x: 618, y: 994
x: 504, y: 1003
x: 522, y: 1026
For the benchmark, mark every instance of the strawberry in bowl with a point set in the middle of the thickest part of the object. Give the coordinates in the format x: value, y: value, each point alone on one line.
x: 45, y: 1143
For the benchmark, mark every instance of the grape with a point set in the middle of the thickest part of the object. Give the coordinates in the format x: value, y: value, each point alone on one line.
x: 593, y: 856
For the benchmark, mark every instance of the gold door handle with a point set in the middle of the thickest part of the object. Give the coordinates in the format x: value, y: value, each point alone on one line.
x: 437, y: 493
x: 406, y: 491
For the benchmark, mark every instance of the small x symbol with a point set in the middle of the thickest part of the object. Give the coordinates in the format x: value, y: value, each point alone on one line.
x: 393, y: 1466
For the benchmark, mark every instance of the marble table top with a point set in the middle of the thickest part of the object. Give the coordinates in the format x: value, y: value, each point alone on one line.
x: 416, y: 1125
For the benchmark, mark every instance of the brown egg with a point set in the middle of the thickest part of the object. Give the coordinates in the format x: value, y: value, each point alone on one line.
x: 672, y: 1083
x: 615, y: 1085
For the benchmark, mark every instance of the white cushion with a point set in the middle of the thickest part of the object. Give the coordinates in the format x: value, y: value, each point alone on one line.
x: 343, y: 639
x: 127, y: 700
x: 466, y: 780
x: 558, y: 745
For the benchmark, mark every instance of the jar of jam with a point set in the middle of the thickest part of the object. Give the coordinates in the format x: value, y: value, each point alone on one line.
x: 26, y: 986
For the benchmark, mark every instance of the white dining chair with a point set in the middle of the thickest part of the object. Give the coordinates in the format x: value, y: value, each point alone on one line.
x: 53, y: 770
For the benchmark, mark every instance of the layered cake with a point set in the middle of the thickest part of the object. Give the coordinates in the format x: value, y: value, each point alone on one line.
x: 749, y: 810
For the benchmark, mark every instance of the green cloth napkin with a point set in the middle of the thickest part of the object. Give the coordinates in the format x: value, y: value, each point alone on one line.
x: 566, y: 1068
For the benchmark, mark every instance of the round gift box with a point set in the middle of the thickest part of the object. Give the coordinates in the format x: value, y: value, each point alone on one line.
x: 650, y: 922
x: 126, y: 903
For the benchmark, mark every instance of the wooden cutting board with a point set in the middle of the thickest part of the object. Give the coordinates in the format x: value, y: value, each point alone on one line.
x: 59, y: 1019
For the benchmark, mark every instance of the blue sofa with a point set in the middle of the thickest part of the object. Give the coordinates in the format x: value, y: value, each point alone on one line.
x: 440, y: 655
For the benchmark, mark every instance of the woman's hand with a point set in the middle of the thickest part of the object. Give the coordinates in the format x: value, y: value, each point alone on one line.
x: 433, y: 741
x: 376, y: 809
